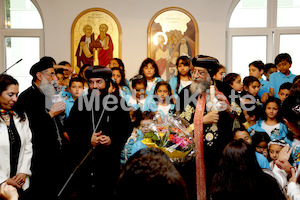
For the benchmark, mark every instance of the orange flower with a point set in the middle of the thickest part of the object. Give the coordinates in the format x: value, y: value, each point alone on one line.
x: 171, y: 137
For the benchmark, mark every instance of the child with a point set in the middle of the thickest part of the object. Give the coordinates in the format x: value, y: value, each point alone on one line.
x: 135, y: 116
x: 60, y: 85
x: 119, y: 76
x: 271, y: 123
x: 256, y: 69
x: 67, y: 73
x: 283, y: 62
x: 284, y: 91
x: 76, y: 90
x: 251, y: 87
x: 243, y: 134
x: 165, y: 104
x: 113, y: 88
x: 147, y: 119
x: 82, y: 76
x: 275, y: 147
x: 234, y: 82
x: 150, y: 71
x: 183, y: 78
x: 269, y: 69
x: 117, y: 62
x: 260, y: 141
x: 252, y: 116
x: 139, y: 97
x: 220, y: 73
x: 60, y: 77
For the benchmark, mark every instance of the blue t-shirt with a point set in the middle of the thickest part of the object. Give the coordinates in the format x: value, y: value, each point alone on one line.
x: 124, y: 91
x: 277, y: 79
x: 265, y: 87
x: 173, y: 84
x: 69, y: 104
x: 262, y: 161
x: 69, y: 101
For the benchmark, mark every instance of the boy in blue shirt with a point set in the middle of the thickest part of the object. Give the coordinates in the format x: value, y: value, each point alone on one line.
x: 256, y: 69
x: 269, y: 69
x: 76, y: 87
x: 283, y: 62
x: 284, y: 91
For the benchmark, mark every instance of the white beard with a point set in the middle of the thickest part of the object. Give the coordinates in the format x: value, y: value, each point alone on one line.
x: 47, y: 88
x: 200, y: 87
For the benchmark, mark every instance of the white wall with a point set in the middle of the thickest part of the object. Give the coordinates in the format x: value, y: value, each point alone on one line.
x: 134, y: 17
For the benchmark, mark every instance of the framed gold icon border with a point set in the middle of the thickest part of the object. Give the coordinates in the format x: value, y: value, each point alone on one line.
x: 101, y: 11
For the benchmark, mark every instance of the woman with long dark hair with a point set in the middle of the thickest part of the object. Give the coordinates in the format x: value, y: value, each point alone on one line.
x: 240, y: 177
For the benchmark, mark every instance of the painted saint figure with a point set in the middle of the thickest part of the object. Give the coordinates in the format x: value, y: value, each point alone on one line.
x: 162, y: 55
x: 84, y: 51
x: 107, y: 47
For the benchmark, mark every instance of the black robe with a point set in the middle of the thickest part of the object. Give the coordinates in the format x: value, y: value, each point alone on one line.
x: 98, y: 174
x: 47, y: 139
x: 213, y: 146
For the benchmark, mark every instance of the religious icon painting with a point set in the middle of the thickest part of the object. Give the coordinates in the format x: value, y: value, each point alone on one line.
x: 95, y: 38
x: 172, y: 32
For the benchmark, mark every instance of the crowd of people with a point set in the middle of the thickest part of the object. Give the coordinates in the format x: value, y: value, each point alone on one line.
x: 79, y: 136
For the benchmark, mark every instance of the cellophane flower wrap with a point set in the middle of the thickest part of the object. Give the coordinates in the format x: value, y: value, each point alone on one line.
x: 173, y: 136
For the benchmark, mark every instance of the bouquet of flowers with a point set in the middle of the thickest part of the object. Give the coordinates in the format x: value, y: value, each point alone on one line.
x: 173, y: 136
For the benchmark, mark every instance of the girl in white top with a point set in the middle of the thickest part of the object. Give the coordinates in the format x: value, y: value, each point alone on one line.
x: 164, y: 100
x: 183, y: 78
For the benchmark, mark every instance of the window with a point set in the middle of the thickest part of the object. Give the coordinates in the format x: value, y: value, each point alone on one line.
x: 260, y: 30
x: 22, y: 36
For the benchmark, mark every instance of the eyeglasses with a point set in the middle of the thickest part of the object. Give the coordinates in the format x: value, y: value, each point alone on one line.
x: 201, y: 73
x: 52, y: 75
x: 98, y: 82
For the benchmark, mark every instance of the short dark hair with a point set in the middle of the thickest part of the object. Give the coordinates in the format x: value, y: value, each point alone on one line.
x: 286, y: 85
x: 59, y: 71
x: 76, y: 79
x: 282, y: 57
x: 242, y: 128
x: 259, y: 137
x: 258, y: 64
x: 268, y: 66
